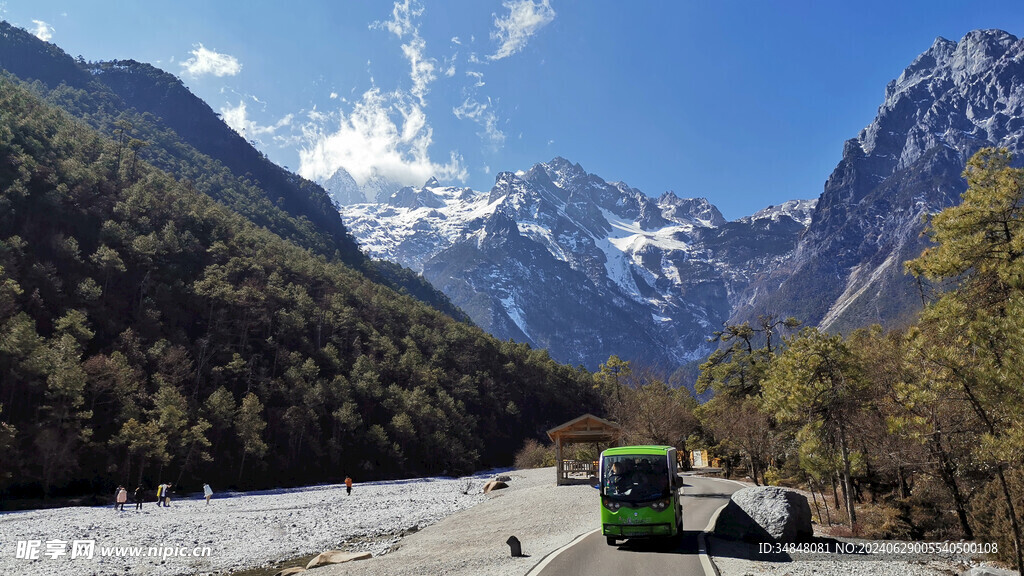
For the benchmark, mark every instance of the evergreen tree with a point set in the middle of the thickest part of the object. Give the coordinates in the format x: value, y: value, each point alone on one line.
x: 975, y: 330
x: 817, y: 381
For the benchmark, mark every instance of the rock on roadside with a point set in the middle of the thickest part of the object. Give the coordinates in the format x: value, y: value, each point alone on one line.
x: 766, y: 512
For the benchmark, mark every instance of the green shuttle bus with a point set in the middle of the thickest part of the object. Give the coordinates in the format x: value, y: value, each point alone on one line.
x: 640, y: 493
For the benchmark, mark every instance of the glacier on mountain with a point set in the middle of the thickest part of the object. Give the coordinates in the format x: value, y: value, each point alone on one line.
x: 646, y: 278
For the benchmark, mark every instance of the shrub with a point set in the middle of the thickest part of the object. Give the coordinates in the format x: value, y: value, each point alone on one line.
x: 533, y: 454
x: 989, y: 510
x: 884, y: 522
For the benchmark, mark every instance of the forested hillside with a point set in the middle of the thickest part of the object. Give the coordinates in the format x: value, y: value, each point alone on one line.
x: 149, y: 333
x: 155, y: 117
x: 920, y: 430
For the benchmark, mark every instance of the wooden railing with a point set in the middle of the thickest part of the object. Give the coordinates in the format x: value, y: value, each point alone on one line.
x: 584, y: 467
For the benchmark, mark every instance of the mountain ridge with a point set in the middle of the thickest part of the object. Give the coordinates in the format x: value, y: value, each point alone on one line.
x: 611, y: 263
x: 181, y: 134
x: 835, y: 262
x: 847, y: 270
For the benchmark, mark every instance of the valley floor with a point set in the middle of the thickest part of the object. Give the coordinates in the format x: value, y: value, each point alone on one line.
x: 412, y: 527
x: 240, y: 530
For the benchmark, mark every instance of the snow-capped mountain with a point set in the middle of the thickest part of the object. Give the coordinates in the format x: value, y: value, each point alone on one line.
x: 586, y: 268
x: 847, y: 271
x: 344, y: 189
x: 562, y: 259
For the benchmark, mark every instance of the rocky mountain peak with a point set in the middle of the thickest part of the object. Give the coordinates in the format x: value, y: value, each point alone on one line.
x: 689, y: 210
x: 409, y: 197
x: 799, y: 210
x: 504, y: 184
x: 343, y: 189
x: 953, y: 99
x: 584, y: 267
x: 560, y: 172
x: 958, y: 94
x: 979, y: 50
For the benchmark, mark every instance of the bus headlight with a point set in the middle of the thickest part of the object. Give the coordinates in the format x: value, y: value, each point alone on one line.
x: 660, y: 505
x: 611, y: 504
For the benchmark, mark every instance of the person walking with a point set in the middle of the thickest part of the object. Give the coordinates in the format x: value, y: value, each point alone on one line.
x: 167, y: 494
x: 122, y: 497
x: 208, y: 493
x: 348, y: 485
x: 137, y: 497
x: 160, y: 494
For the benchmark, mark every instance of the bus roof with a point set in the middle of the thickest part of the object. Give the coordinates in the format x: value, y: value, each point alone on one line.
x: 623, y: 450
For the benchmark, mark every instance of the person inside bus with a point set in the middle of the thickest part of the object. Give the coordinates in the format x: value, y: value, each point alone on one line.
x: 645, y: 476
x: 621, y: 478
x: 660, y: 477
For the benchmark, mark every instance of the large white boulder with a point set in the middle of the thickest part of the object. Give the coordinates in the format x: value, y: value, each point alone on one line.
x: 763, y: 513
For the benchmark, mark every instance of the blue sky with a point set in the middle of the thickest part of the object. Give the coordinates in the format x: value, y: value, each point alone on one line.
x: 744, y: 103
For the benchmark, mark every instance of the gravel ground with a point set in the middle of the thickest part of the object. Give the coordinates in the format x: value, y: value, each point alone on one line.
x: 436, y: 526
x: 741, y: 559
x: 242, y: 530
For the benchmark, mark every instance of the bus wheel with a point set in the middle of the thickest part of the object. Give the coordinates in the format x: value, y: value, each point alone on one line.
x: 611, y: 541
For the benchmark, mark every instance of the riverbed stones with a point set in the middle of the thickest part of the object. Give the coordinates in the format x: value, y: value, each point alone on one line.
x: 336, y: 557
x: 494, y: 485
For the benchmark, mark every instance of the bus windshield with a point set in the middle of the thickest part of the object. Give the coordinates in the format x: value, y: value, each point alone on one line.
x: 635, y: 477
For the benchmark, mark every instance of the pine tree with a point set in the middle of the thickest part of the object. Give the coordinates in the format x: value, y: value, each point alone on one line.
x: 976, y: 330
x: 818, y: 382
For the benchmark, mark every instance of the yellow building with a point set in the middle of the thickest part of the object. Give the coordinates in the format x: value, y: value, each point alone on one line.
x: 702, y: 459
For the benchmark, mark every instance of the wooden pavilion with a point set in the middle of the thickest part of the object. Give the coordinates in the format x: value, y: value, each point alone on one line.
x: 587, y: 429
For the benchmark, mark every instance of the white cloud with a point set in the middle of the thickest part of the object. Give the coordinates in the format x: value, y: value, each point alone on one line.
x: 484, y: 116
x: 524, y: 19
x: 456, y: 41
x: 402, y: 24
x: 334, y: 95
x: 449, y: 65
x: 238, y: 119
x: 43, y: 31
x: 204, y: 61
x: 385, y: 135
x: 479, y: 76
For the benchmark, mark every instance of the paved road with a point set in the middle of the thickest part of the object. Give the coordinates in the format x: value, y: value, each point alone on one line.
x: 592, y: 556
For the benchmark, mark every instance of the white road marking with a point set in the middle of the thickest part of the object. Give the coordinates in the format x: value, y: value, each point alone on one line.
x: 709, y: 567
x: 547, y: 559
x: 702, y: 544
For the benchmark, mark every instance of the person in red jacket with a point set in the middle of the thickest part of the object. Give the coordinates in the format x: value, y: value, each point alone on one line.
x: 348, y: 485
